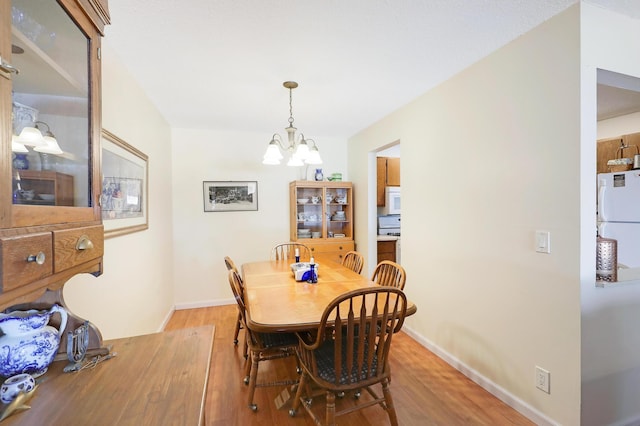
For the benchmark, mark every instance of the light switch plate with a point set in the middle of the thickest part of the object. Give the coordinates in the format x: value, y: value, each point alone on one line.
x: 543, y: 241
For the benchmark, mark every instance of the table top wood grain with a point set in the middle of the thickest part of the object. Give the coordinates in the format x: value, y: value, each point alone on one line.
x: 277, y: 302
x: 154, y: 379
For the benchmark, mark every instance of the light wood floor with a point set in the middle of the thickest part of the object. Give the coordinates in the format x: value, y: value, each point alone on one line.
x: 425, y: 389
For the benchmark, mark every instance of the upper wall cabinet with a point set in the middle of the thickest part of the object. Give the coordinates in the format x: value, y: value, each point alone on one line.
x: 50, y: 98
x: 388, y: 174
x: 624, y: 146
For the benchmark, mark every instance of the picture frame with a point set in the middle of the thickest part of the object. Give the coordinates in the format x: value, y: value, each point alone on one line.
x: 124, y: 198
x: 230, y: 196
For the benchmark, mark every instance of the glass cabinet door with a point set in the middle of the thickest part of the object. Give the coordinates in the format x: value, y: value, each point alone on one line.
x: 339, y: 212
x: 51, y: 111
x: 309, y: 213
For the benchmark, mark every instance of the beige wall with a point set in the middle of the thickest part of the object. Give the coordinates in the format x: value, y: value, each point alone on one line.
x: 610, y: 316
x: 201, y: 240
x: 489, y: 157
x: 135, y: 293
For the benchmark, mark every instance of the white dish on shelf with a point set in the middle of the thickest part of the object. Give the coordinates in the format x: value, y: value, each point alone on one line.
x: 47, y: 197
x: 304, y: 233
x: 303, y: 200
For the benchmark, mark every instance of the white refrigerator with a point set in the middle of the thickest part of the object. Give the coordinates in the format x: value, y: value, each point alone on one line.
x: 619, y: 214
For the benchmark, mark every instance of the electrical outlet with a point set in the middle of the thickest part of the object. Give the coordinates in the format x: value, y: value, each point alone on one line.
x: 542, y: 379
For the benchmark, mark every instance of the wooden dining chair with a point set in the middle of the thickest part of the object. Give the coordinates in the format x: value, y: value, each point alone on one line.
x: 288, y: 251
x: 388, y: 273
x: 351, y: 360
x: 354, y: 261
x: 231, y: 266
x: 262, y: 346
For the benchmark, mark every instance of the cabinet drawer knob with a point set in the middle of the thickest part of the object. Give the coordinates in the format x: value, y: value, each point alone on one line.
x: 38, y: 258
x: 84, y: 243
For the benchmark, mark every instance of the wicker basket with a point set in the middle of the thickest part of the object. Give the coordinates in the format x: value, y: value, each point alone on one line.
x: 617, y: 168
x: 620, y: 163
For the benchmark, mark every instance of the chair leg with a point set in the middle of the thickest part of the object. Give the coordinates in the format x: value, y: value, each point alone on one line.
x: 391, y: 411
x: 247, y: 370
x: 296, y: 399
x: 237, y: 331
x: 331, y: 408
x: 253, y: 377
x: 246, y: 349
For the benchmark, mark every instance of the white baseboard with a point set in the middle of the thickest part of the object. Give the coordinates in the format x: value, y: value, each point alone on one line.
x: 204, y: 304
x: 194, y: 305
x: 511, y: 400
x: 166, y: 319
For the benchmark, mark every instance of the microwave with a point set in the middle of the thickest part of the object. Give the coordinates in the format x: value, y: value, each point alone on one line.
x: 391, y: 200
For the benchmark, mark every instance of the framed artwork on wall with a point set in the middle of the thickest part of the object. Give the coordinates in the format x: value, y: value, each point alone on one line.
x: 230, y: 196
x: 124, y: 197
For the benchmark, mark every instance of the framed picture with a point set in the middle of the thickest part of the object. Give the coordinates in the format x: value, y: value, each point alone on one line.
x: 124, y: 197
x: 230, y: 196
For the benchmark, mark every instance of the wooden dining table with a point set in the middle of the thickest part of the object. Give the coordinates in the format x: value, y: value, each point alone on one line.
x: 276, y: 302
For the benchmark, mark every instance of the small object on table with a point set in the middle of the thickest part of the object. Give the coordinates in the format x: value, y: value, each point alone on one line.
x: 18, y: 404
x: 97, y: 360
x: 297, y: 255
x: 313, y: 278
x: 301, y: 270
x: 77, y: 343
x: 14, y: 385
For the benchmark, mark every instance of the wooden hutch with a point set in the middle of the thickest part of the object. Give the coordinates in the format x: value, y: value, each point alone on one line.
x: 321, y: 217
x: 50, y: 219
x: 51, y: 225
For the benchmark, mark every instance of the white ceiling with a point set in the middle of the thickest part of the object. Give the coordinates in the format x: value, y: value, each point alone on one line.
x: 220, y: 64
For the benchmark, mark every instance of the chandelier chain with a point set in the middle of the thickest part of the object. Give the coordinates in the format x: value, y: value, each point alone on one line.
x: 291, y: 107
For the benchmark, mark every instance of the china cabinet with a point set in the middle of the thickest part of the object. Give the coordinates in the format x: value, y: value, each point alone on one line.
x: 321, y: 217
x: 50, y: 223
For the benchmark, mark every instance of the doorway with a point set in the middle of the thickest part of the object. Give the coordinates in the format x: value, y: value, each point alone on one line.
x: 387, y: 175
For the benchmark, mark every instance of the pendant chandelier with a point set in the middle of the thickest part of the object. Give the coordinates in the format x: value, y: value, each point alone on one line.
x: 301, y: 152
x: 33, y: 136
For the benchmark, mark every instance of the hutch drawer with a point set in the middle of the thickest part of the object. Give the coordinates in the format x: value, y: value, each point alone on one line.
x: 332, y: 250
x: 25, y: 259
x: 78, y: 245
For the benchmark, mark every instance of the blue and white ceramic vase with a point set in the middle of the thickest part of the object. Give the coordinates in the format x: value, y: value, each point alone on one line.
x: 319, y: 176
x: 14, y: 385
x: 20, y: 161
x: 28, y: 344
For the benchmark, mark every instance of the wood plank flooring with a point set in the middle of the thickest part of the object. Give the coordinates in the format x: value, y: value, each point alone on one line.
x: 425, y: 389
